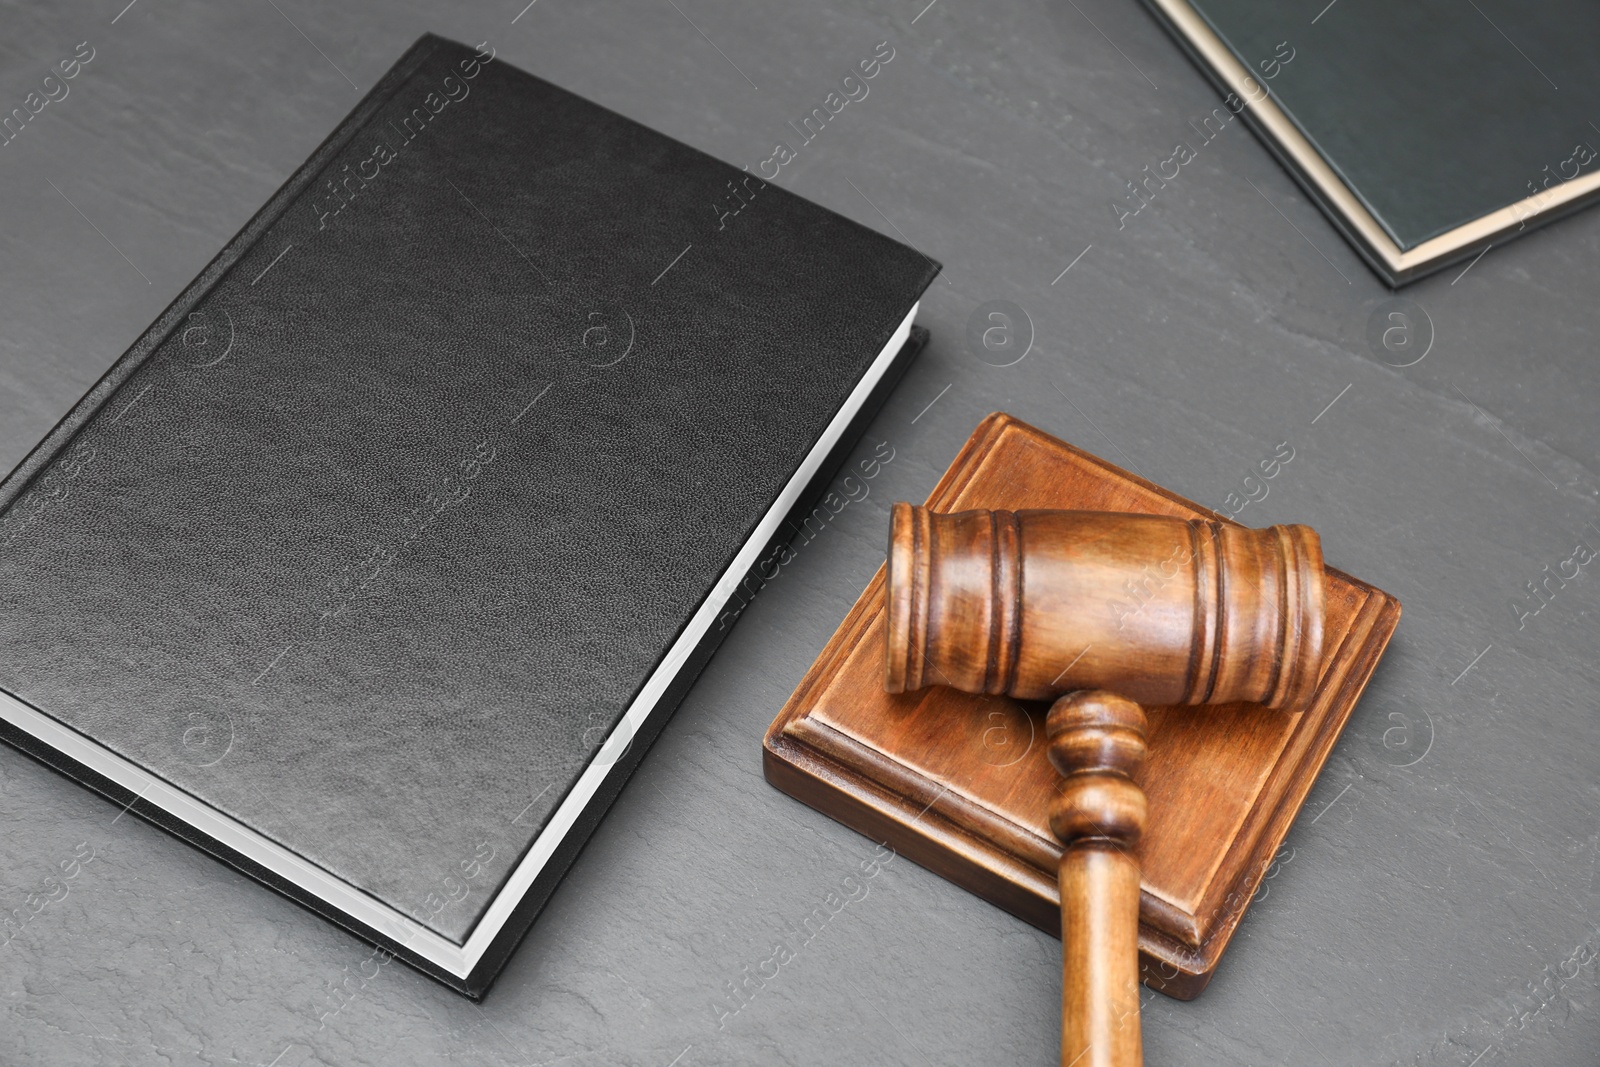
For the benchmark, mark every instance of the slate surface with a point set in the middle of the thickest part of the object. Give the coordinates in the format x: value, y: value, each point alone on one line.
x: 1439, y: 901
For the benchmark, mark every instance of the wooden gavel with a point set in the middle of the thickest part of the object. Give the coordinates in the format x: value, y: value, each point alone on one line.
x: 1108, y: 609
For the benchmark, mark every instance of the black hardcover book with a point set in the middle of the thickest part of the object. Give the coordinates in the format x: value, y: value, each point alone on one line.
x: 1428, y: 130
x: 376, y: 564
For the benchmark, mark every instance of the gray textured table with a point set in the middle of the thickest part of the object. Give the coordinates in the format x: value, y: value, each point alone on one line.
x: 1438, y: 901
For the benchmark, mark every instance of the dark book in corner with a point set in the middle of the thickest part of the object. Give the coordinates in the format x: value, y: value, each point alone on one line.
x: 1428, y: 131
x: 377, y: 562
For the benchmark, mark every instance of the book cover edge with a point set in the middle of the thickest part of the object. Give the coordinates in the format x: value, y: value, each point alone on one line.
x: 234, y: 250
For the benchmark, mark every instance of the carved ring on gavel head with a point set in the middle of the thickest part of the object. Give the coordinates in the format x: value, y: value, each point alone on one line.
x: 1163, y: 610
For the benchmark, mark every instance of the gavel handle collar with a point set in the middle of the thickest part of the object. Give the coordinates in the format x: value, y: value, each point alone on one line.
x: 1097, y: 742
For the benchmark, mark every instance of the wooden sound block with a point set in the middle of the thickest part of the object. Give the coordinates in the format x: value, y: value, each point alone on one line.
x: 961, y: 784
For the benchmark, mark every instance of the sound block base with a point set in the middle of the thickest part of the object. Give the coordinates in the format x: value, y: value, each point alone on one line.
x: 961, y: 784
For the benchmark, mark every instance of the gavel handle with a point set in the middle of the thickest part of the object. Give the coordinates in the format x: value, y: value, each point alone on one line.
x: 1097, y: 742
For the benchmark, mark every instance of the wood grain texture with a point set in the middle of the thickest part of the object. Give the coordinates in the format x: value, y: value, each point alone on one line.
x: 1097, y: 742
x: 1163, y: 610
x: 960, y: 783
x: 1035, y: 603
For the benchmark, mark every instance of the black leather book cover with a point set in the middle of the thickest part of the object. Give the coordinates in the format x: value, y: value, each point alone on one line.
x: 1428, y: 130
x: 376, y: 563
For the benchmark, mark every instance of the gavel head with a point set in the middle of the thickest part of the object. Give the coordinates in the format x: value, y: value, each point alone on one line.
x: 1033, y: 604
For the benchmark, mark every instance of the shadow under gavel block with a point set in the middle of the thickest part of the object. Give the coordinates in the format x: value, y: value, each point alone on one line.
x: 962, y: 784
